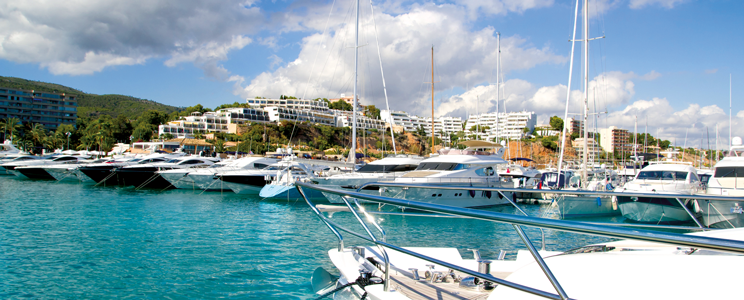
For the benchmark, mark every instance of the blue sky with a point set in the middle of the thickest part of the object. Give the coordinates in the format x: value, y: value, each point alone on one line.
x: 666, y: 60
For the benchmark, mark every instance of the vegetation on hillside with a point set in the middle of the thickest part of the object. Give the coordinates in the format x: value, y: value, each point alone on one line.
x: 92, y: 105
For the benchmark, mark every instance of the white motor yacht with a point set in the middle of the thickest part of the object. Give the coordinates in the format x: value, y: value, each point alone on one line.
x: 32, y: 169
x: 664, y: 177
x: 7, y: 148
x: 385, y: 169
x: 144, y: 175
x: 105, y: 173
x: 474, y: 166
x: 203, y: 178
x: 14, y: 158
x: 522, y: 177
x: 725, y: 182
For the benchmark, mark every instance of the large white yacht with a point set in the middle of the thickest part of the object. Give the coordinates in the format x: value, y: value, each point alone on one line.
x: 145, y: 176
x: 385, y: 169
x: 664, y: 177
x: 105, y: 173
x: 203, y: 178
x: 7, y: 148
x: 474, y: 166
x: 32, y: 168
x: 725, y: 182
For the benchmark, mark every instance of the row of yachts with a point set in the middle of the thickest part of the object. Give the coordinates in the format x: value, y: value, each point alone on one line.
x: 480, y: 164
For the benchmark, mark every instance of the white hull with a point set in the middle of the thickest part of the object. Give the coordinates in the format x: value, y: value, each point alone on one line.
x: 721, y: 214
x: 457, y: 198
x: 179, y: 180
x: 653, y: 213
x: 583, y: 206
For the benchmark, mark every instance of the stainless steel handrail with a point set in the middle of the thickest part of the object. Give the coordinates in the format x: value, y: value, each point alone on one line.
x: 515, y: 221
x: 563, y: 225
x: 545, y: 191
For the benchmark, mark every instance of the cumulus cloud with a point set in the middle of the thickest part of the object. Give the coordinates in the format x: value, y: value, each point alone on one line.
x: 474, y: 7
x: 86, y: 36
x: 637, y: 4
x: 467, y: 57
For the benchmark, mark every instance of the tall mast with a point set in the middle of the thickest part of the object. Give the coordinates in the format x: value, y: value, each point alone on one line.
x: 432, y: 98
x: 568, y: 91
x: 586, y: 93
x: 352, y: 153
x: 498, y: 83
x: 730, y: 128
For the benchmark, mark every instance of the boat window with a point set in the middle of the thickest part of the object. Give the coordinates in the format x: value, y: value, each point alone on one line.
x: 694, y: 178
x: 437, y: 166
x: 272, y: 168
x: 66, y: 158
x: 729, y: 172
x: 190, y: 162
x: 662, y: 175
x: 260, y: 165
x: 735, y: 153
x: 485, y: 171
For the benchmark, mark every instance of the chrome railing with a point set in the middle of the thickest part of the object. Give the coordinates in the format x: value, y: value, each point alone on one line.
x: 516, y: 221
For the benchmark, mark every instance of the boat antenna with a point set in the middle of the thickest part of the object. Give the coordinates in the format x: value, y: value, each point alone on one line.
x: 352, y: 152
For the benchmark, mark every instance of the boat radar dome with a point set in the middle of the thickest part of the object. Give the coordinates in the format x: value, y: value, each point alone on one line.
x: 736, y: 141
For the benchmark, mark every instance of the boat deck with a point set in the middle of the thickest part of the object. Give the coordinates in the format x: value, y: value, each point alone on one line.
x: 402, y: 282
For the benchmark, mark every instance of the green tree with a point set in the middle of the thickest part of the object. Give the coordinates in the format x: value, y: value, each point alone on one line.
x: 12, y: 126
x: 341, y: 105
x: 550, y: 142
x: 557, y: 123
x: 372, y: 111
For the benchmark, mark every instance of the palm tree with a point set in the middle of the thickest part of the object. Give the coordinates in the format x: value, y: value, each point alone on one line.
x: 11, y: 126
x: 38, y: 134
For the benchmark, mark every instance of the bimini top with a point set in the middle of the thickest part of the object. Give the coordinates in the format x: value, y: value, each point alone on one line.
x: 480, y: 144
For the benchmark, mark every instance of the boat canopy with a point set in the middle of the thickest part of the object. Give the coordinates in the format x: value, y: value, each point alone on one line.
x: 480, y: 144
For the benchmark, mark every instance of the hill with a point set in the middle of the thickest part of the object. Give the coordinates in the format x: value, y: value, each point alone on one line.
x: 93, y: 105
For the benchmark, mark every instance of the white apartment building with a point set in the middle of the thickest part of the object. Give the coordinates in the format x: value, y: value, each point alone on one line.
x: 217, y: 121
x: 448, y: 125
x: 504, y: 125
x: 592, y: 146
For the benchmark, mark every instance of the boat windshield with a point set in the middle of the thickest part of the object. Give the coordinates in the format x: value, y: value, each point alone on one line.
x: 662, y: 175
x: 442, y: 166
x: 386, y: 168
x: 735, y: 153
x: 729, y: 172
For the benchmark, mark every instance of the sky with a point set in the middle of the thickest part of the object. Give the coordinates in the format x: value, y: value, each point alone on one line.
x: 664, y: 65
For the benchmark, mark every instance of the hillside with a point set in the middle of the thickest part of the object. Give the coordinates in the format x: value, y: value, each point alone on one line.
x: 91, y: 104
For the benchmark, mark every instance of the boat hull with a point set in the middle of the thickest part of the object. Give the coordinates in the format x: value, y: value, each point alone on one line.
x: 457, y: 198
x: 288, y: 192
x: 103, y: 175
x: 143, y: 178
x: 244, y: 184
x: 653, y: 210
x: 179, y: 180
x: 721, y: 213
x: 583, y: 206
x: 35, y: 173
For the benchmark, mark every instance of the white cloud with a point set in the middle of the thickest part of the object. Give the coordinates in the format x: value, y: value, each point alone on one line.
x: 462, y: 57
x: 637, y: 4
x: 501, y: 7
x: 86, y: 36
x: 275, y: 61
x: 650, y: 76
x: 710, y: 71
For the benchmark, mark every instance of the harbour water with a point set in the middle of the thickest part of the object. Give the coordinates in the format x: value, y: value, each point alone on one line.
x: 66, y: 240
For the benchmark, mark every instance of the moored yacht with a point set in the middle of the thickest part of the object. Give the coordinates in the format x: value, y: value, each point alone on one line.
x: 203, y: 178
x: 144, y: 175
x: 385, y: 169
x: 48, y: 171
x: 14, y: 158
x: 7, y: 148
x: 105, y: 173
x: 665, y: 177
x: 474, y: 166
x: 725, y: 182
x: 32, y: 169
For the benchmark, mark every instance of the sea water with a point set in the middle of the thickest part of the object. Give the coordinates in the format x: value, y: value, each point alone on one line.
x: 68, y: 240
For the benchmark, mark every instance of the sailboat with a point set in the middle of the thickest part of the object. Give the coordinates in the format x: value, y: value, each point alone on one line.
x: 588, y: 180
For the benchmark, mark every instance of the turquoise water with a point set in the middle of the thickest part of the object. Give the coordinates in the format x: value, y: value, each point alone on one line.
x: 67, y: 240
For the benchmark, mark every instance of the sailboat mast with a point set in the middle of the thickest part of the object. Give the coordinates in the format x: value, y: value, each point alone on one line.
x: 568, y: 90
x: 432, y: 98
x: 498, y: 82
x: 352, y: 153
x: 730, y: 128
x: 586, y: 93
